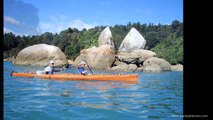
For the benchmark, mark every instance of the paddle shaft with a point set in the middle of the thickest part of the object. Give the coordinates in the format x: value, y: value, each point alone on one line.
x: 89, y: 67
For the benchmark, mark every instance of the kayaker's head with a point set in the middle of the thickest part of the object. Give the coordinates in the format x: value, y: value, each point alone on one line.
x: 82, y: 64
x: 51, y: 63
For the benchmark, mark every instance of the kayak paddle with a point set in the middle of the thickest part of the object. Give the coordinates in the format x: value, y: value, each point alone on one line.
x: 88, y: 66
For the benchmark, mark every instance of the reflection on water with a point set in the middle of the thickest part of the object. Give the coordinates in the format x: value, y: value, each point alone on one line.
x: 156, y: 96
x: 100, y: 85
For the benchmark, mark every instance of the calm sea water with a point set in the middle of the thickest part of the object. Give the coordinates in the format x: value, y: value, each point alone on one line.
x: 156, y: 96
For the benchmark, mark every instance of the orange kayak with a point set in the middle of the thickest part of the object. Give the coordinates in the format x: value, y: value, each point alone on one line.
x: 104, y: 77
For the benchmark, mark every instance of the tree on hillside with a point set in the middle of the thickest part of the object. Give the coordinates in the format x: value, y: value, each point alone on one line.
x: 170, y: 49
x: 9, y: 41
x: 72, y: 51
x: 66, y: 37
x: 89, y: 38
x: 47, y: 38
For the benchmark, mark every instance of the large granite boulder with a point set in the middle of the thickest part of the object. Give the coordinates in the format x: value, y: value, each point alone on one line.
x: 105, y: 38
x: 97, y: 57
x: 143, y: 54
x: 163, y: 64
x: 135, y: 57
x: 133, y: 41
x: 40, y: 55
x: 80, y: 58
x: 127, y: 57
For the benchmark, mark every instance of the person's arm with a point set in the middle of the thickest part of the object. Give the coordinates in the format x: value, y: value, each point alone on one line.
x: 57, y: 70
x: 82, y: 71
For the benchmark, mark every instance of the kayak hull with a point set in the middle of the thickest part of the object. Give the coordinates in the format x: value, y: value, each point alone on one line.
x: 102, y: 77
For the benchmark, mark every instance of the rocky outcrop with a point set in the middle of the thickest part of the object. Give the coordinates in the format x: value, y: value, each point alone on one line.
x: 105, y: 38
x: 133, y: 41
x: 124, y: 67
x: 152, y: 68
x: 177, y: 67
x: 101, y: 57
x: 131, y: 55
x: 138, y: 69
x: 143, y: 54
x: 78, y: 60
x: 136, y: 56
x: 40, y: 55
x: 132, y: 67
x: 9, y: 59
x: 97, y: 57
x: 118, y: 63
x: 127, y: 57
x: 163, y: 64
x: 120, y: 67
x: 131, y: 52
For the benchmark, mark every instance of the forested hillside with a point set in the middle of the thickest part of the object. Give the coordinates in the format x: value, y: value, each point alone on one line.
x: 165, y: 40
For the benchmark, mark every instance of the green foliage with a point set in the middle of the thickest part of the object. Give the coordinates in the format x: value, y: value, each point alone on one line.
x: 72, y: 51
x: 90, y: 38
x: 119, y: 32
x: 165, y: 40
x: 9, y: 41
x: 170, y: 49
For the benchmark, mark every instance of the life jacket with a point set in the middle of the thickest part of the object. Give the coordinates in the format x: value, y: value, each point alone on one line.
x: 81, y: 69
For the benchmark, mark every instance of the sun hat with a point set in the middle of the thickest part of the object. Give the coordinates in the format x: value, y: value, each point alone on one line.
x: 82, y: 62
x: 51, y: 62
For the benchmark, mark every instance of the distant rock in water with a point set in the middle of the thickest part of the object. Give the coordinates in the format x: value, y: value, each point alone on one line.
x: 105, y: 38
x: 9, y: 59
x: 133, y: 41
x: 40, y: 55
x: 177, y: 67
x: 163, y: 64
x: 153, y: 69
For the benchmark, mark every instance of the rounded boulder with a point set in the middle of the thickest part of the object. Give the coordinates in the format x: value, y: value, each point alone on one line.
x: 40, y: 55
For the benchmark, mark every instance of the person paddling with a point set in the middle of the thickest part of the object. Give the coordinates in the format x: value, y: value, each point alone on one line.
x: 81, y: 68
x: 50, y: 69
